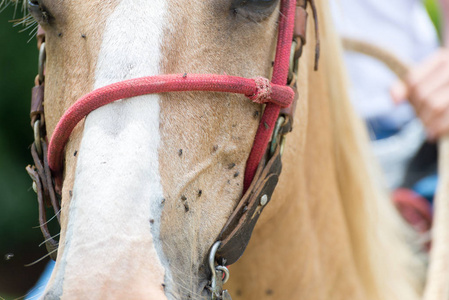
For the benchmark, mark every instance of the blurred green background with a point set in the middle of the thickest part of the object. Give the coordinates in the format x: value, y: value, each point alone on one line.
x: 19, y: 239
x: 434, y: 11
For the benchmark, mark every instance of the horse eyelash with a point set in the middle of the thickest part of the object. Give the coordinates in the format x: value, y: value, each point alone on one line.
x: 29, y: 24
x: 22, y: 3
x: 26, y: 21
x: 26, y: 17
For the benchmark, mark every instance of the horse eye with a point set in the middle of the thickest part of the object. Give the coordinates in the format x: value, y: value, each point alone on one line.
x: 261, y: 3
x: 255, y: 10
x: 33, y: 4
x: 38, y: 12
x: 257, y: 4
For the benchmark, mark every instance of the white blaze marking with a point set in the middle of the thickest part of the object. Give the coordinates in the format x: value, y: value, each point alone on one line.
x: 118, y: 187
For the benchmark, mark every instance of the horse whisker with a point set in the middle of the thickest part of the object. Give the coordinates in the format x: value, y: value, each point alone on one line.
x: 42, y: 258
x: 34, y: 297
x: 2, y: 8
x: 28, y: 23
x: 182, y: 284
x: 50, y: 238
x: 29, y: 292
x: 33, y: 34
x: 6, y: 3
x: 48, y: 220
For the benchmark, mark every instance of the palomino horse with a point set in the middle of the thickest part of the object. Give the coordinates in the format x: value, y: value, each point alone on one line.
x: 150, y: 181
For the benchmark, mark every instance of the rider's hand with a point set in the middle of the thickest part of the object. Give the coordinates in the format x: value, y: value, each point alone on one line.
x: 427, y: 89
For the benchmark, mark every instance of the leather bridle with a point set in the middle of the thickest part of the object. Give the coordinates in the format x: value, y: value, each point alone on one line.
x: 263, y: 166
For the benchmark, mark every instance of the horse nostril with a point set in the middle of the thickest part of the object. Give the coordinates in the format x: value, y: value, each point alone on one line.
x: 33, y: 2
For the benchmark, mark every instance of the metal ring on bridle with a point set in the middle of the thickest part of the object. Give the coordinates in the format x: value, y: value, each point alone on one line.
x: 212, y: 266
x: 225, y: 272
x: 37, y: 136
x: 41, y: 67
x: 274, y: 141
x: 217, y: 282
x: 293, y: 65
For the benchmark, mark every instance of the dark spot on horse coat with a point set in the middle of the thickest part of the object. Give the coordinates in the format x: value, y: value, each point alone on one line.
x: 83, y: 35
x: 70, y: 193
x: 76, y: 152
x: 230, y: 166
x: 215, y: 148
x: 256, y: 114
x: 269, y: 292
x: 186, y: 207
x: 236, y: 174
x: 180, y: 152
x: 183, y: 198
x: 151, y: 221
x: 200, y: 192
x: 60, y: 34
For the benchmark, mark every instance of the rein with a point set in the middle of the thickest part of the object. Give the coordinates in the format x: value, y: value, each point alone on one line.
x: 263, y: 166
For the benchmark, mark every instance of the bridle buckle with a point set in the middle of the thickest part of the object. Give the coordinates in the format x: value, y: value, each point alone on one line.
x: 220, y: 275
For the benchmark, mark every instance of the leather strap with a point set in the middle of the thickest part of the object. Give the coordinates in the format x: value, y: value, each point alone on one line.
x: 46, y: 196
x: 237, y: 232
x: 40, y: 172
x: 37, y: 107
x: 300, y: 28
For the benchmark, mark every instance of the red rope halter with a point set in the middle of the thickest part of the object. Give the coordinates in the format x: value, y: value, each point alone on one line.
x: 276, y: 94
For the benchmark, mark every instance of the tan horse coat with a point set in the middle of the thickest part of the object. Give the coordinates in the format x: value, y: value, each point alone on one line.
x: 330, y: 233
x: 327, y: 234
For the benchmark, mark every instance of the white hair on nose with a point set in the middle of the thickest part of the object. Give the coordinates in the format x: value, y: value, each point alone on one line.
x: 117, y: 191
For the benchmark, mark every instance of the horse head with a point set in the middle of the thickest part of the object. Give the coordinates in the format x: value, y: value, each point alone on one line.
x: 150, y: 181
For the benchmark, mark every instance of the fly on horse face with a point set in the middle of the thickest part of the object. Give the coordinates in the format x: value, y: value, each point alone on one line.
x: 153, y: 176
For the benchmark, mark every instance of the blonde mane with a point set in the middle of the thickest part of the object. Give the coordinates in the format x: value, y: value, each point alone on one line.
x: 380, y: 239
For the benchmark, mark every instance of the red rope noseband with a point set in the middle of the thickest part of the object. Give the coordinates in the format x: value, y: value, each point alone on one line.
x: 280, y: 73
x: 281, y: 96
x: 276, y: 94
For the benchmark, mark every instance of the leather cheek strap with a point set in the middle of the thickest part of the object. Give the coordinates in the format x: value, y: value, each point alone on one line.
x: 237, y: 232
